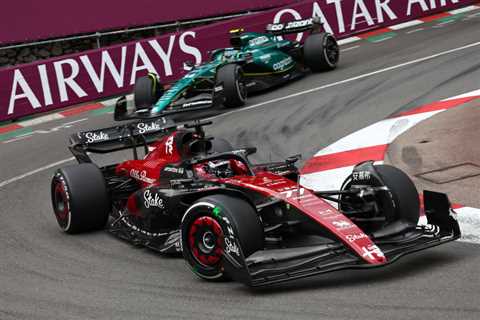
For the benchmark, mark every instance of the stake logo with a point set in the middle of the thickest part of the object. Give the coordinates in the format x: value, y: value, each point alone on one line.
x: 96, y: 137
x: 152, y: 200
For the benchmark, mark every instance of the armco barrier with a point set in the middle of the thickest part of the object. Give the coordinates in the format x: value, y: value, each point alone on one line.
x: 73, y: 79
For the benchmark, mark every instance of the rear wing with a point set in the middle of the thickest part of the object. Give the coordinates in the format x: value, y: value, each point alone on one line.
x: 131, y: 135
x: 313, y: 24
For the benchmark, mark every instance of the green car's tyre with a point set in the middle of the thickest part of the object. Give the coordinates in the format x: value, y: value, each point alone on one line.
x: 231, y: 76
x: 147, y: 91
x: 321, y: 52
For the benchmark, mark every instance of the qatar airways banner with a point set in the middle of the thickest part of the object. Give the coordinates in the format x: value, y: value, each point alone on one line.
x: 91, y: 75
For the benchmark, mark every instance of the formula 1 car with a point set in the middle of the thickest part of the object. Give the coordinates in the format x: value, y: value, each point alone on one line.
x: 233, y: 219
x: 255, y: 61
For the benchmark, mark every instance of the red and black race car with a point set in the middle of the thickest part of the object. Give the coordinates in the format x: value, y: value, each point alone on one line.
x: 233, y: 219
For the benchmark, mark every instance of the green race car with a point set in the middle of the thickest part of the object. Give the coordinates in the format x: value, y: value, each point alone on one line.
x: 254, y: 62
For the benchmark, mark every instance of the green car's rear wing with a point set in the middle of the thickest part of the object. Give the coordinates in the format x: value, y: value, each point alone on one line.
x: 312, y: 24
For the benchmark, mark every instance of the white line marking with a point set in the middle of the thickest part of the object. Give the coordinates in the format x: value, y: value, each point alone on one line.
x: 30, y: 173
x: 462, y: 10
x: 42, y: 119
x: 362, y: 76
x: 366, y: 75
x: 72, y: 122
x: 407, y: 24
x: 349, y: 40
x: 350, y: 48
x: 441, y: 24
x: 22, y: 137
x: 415, y: 30
x: 381, y: 40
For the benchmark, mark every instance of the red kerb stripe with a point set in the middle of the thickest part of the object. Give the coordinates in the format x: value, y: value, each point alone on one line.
x: 10, y: 127
x: 435, y: 17
x: 437, y: 106
x: 81, y: 109
x: 344, y: 159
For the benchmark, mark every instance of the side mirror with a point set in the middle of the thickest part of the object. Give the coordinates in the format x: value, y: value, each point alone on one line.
x: 120, y: 112
x: 188, y: 65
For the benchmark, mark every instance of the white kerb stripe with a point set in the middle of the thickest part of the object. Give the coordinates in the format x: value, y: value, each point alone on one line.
x: 380, y: 133
x: 405, y: 25
x: 348, y: 40
x: 475, y: 93
x: 462, y: 10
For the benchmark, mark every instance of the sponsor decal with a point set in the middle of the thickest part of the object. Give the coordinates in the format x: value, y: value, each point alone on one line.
x: 356, y: 236
x: 282, y: 63
x: 174, y: 169
x: 147, y: 127
x: 266, y: 57
x: 299, y: 24
x: 196, y: 103
x: 169, y: 145
x: 96, y: 137
x: 342, y: 224
x: 231, y: 246
x: 152, y: 200
x: 258, y: 41
x: 372, y: 252
x: 361, y: 175
x: 124, y: 216
x: 328, y: 213
x: 141, y: 175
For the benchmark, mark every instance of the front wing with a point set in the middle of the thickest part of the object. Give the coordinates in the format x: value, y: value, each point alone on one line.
x: 266, y: 267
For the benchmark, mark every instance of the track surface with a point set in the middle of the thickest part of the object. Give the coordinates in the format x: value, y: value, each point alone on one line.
x: 45, y: 274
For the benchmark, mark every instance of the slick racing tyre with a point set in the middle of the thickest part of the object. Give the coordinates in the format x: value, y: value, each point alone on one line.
x: 79, y: 198
x: 147, y: 91
x: 234, y: 90
x: 399, y: 204
x: 204, y: 239
x: 321, y: 52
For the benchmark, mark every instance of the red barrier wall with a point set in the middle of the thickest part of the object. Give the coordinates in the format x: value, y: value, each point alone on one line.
x: 29, y: 20
x: 91, y: 75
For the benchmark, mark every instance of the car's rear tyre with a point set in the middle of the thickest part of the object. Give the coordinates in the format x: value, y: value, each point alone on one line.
x: 79, y: 198
x: 203, y: 237
x: 321, y: 52
x: 147, y: 91
x: 234, y: 89
x: 399, y: 204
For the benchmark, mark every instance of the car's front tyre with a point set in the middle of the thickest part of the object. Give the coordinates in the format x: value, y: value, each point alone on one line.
x: 204, y: 236
x: 234, y: 89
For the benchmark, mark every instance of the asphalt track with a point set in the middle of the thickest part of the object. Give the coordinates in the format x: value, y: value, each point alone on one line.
x: 45, y: 274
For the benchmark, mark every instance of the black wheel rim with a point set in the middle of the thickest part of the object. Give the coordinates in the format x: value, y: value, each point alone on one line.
x: 332, y: 51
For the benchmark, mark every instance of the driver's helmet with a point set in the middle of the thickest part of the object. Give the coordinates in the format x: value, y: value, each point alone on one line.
x: 220, y: 168
x: 235, y: 38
